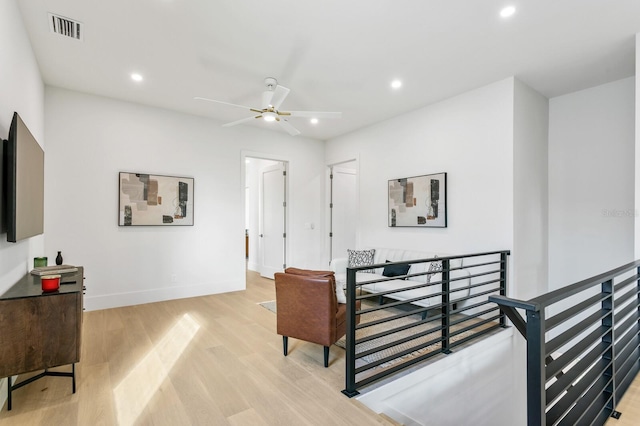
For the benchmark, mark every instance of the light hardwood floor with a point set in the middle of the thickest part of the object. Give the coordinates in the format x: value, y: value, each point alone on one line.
x: 213, y: 360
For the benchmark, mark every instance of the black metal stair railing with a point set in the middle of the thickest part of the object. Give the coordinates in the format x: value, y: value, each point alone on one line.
x: 583, y: 347
x: 438, y: 316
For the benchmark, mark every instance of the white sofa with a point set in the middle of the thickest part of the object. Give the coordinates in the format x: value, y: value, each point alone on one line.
x: 382, y: 255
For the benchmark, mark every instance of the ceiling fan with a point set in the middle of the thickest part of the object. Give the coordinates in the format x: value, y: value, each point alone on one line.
x: 272, y: 98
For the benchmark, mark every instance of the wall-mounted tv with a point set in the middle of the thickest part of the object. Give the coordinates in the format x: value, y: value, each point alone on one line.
x: 23, y: 183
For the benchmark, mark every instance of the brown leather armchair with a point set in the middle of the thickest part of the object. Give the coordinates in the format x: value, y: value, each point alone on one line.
x: 307, y: 308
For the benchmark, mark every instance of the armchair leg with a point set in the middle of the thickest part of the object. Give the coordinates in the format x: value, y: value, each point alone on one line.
x: 326, y: 356
x: 285, y: 344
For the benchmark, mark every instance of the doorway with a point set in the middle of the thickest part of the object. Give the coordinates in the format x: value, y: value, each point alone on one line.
x: 343, y: 208
x: 265, y: 215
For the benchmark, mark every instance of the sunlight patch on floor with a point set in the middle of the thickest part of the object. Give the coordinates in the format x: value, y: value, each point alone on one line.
x: 135, y: 391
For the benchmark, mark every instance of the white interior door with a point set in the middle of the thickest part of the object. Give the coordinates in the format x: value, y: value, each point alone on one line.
x: 343, y: 210
x: 273, y: 220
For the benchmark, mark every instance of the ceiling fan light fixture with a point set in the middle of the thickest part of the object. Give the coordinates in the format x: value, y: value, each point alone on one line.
x: 269, y: 116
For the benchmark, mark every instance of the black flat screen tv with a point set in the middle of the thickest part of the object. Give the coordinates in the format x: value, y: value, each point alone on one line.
x: 23, y: 183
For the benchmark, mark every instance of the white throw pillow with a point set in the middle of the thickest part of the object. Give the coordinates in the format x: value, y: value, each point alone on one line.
x: 342, y: 298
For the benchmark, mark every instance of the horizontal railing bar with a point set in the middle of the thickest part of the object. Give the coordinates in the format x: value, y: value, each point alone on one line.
x: 483, y: 293
x: 627, y: 371
x: 630, y: 334
x: 474, y: 325
x: 482, y: 284
x: 628, y: 350
x: 622, y: 284
x: 565, y: 292
x: 628, y: 295
x: 396, y: 368
x: 366, y: 311
x: 623, y: 384
x: 482, y: 274
x: 574, y: 331
x: 628, y: 326
x: 428, y: 260
x: 619, y: 314
x: 397, y: 342
x: 474, y: 316
x: 396, y: 330
x: 466, y: 308
x: 486, y: 311
x: 569, y: 402
x: 566, y: 358
x: 593, y: 395
x: 401, y: 289
x: 599, y: 414
x: 601, y: 401
x: 564, y: 404
x: 398, y: 302
x: 574, y: 310
x: 476, y: 265
x: 514, y: 303
x: 567, y: 379
x: 372, y: 323
x: 400, y: 354
x: 479, y: 333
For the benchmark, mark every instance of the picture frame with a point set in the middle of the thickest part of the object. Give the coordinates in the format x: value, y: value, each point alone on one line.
x: 418, y: 201
x: 155, y: 200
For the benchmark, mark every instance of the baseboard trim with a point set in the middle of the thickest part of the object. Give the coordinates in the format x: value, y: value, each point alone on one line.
x: 116, y: 300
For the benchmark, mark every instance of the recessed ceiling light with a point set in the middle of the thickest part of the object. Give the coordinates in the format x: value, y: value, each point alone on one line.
x: 136, y: 77
x: 396, y: 84
x: 507, y: 11
x: 314, y: 121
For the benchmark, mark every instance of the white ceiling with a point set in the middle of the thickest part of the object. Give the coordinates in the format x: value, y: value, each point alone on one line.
x: 333, y: 55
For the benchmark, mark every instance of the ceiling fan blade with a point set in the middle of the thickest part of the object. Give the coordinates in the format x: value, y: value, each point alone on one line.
x: 288, y: 127
x: 312, y: 114
x: 279, y: 95
x: 226, y: 103
x: 243, y: 120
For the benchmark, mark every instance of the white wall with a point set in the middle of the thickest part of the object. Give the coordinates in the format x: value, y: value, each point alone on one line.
x: 637, y: 153
x: 90, y: 139
x: 591, y: 181
x: 21, y: 90
x: 530, y: 133
x: 469, y: 137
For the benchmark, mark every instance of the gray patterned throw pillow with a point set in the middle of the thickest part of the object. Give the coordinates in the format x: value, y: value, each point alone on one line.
x: 361, y: 258
x: 434, y: 268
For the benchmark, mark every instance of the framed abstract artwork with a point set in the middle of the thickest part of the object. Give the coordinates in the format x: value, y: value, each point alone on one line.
x: 147, y: 199
x: 418, y: 201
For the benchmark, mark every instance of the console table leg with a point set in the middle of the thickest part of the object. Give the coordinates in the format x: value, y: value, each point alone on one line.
x: 73, y: 377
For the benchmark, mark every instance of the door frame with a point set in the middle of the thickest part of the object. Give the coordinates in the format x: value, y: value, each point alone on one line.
x: 329, y: 166
x: 244, y: 155
x: 281, y: 169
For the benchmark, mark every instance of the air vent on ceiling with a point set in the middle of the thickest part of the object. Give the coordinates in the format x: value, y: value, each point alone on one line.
x: 66, y: 27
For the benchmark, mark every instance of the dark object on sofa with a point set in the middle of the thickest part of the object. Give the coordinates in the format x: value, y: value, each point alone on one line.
x: 308, y: 309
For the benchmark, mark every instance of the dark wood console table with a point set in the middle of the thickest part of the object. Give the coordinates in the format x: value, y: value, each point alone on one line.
x: 40, y: 330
